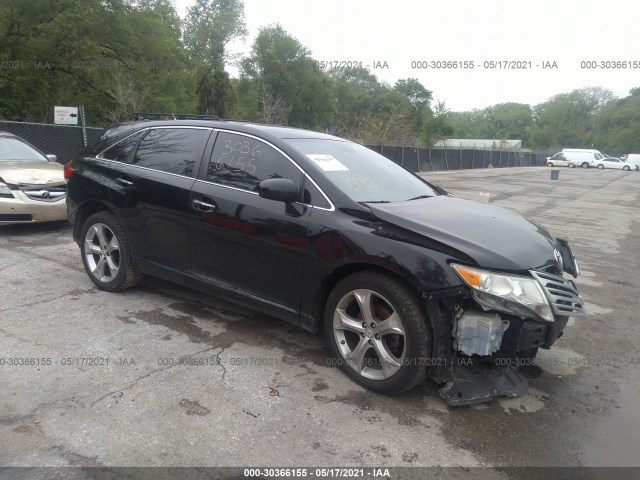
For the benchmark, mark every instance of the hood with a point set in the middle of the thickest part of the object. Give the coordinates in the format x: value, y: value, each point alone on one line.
x: 31, y: 172
x: 496, y: 238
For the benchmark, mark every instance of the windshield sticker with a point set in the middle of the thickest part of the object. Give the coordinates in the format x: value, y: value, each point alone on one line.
x: 328, y: 163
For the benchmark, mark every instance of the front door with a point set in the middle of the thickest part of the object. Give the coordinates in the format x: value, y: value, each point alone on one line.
x: 240, y: 241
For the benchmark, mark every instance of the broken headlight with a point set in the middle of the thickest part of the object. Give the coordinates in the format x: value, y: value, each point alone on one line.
x: 506, y: 293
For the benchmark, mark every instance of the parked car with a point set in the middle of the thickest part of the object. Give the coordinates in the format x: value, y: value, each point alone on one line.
x: 633, y: 160
x: 611, y: 162
x: 32, y: 185
x: 405, y: 280
x: 557, y: 160
x: 572, y: 157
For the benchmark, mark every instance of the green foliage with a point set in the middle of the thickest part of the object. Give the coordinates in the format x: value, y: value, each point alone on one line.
x: 436, y: 125
x: 64, y: 55
x: 286, y: 80
x: 501, y: 121
x: 584, y: 118
x: 210, y: 26
x: 116, y: 57
x: 568, y: 119
x: 617, y: 126
x: 417, y: 94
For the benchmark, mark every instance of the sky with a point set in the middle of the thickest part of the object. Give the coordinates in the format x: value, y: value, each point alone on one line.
x: 414, y: 39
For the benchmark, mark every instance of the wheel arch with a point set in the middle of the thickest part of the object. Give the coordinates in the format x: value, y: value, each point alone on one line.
x: 84, y: 211
x: 331, y: 280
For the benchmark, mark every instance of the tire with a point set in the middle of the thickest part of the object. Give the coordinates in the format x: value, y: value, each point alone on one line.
x: 549, y: 164
x: 601, y: 167
x: 572, y: 165
x: 403, y: 337
x: 626, y: 168
x: 585, y: 165
x: 106, y: 253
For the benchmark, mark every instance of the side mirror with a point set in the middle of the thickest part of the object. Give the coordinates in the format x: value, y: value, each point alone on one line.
x: 52, y: 158
x: 278, y: 189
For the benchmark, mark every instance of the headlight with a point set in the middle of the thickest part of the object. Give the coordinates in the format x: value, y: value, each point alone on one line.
x: 507, y: 293
x: 5, y: 191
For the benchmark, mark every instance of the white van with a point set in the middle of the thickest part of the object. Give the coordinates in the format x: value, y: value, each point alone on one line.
x: 572, y: 157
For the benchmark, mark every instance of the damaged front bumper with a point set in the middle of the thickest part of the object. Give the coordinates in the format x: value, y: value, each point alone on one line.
x: 487, y: 348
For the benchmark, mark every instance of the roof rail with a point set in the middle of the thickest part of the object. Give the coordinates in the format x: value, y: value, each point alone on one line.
x: 172, y: 116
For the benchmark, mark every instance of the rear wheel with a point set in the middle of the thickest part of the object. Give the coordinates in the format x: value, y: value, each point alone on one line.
x: 377, y: 332
x: 585, y: 165
x: 106, y: 253
x: 601, y: 167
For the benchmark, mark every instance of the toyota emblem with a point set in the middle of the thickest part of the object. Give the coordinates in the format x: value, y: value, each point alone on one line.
x: 558, y: 255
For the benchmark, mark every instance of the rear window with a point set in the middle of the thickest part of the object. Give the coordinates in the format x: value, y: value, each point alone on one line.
x: 120, y: 151
x: 171, y: 150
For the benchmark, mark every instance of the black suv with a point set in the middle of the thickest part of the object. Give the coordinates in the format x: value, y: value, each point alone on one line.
x: 405, y: 280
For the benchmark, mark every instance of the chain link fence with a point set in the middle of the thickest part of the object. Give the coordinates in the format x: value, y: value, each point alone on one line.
x: 437, y: 159
x: 60, y: 140
x: 65, y: 140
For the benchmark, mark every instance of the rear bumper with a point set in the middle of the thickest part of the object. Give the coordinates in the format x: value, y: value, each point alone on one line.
x: 22, y: 209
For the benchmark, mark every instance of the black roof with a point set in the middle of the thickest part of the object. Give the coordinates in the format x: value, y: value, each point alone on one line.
x: 276, y: 131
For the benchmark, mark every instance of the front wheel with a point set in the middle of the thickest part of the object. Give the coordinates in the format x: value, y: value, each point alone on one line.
x: 601, y: 167
x: 549, y: 164
x: 377, y: 332
x: 106, y: 253
x: 626, y: 168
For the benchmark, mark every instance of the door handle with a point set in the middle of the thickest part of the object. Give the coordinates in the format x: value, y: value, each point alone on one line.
x: 202, y: 206
x: 123, y: 182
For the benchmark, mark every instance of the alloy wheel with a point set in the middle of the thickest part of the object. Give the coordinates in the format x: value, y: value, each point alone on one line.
x: 102, y: 252
x: 369, y: 334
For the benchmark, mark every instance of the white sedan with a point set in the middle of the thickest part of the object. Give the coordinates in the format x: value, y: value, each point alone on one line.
x: 611, y: 162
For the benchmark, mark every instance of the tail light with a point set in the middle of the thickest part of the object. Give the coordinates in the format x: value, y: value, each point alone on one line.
x: 68, y: 169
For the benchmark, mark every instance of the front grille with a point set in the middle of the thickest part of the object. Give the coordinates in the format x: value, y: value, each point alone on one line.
x: 552, y: 269
x: 45, y: 193
x: 562, y: 294
x: 18, y: 217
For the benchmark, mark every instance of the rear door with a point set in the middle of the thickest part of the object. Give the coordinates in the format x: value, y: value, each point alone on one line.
x: 150, y: 189
x: 239, y: 241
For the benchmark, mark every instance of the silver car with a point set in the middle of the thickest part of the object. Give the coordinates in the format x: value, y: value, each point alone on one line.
x: 558, y: 160
x: 32, y: 186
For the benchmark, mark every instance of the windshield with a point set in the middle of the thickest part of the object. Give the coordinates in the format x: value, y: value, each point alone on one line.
x: 362, y: 174
x: 14, y: 150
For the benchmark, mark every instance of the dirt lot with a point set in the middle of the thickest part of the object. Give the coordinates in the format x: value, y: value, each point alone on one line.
x: 110, y: 388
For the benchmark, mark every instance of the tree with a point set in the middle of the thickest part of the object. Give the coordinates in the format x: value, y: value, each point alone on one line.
x: 567, y: 120
x: 210, y: 26
x: 417, y: 94
x: 141, y: 50
x: 436, y: 125
x: 280, y: 67
x: 617, y: 125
